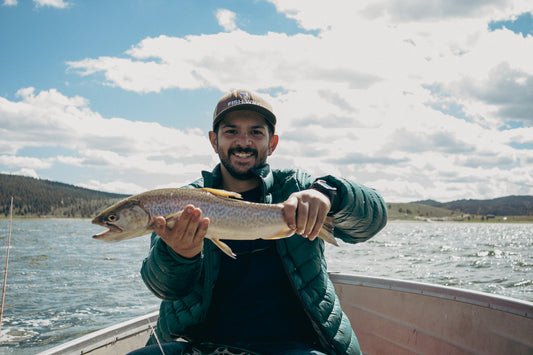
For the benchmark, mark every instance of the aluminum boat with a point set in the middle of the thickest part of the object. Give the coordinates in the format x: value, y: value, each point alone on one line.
x: 389, y: 317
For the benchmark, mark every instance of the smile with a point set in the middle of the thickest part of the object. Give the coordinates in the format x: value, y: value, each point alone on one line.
x: 243, y: 155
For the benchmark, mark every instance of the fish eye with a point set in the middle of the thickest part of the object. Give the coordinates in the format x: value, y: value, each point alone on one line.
x: 112, y: 218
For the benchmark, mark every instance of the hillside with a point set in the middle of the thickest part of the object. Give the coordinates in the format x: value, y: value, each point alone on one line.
x: 408, y: 211
x: 503, y: 206
x: 504, y: 209
x: 43, y: 198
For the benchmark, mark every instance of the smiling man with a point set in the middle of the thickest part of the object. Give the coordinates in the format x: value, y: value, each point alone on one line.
x: 243, y: 141
x: 276, y: 296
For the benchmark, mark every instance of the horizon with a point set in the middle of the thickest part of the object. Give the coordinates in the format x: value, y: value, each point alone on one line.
x: 427, y: 101
x: 396, y: 202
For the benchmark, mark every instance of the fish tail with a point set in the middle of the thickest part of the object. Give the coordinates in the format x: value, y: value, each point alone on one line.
x: 326, y: 232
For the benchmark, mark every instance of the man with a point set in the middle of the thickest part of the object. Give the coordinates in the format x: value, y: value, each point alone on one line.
x: 276, y: 296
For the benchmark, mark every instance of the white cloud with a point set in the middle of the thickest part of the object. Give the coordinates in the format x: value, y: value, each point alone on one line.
x: 10, y: 3
x: 24, y: 172
x: 26, y: 162
x: 119, y: 186
x: 107, y: 146
x: 221, y: 61
x: 344, y: 13
x: 226, y: 19
x: 60, y: 4
x: 423, y: 10
x: 408, y: 99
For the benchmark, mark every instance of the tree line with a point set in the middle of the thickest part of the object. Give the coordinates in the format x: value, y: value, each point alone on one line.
x: 501, y: 206
x: 43, y: 198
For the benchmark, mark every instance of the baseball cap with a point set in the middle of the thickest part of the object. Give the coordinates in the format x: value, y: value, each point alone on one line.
x: 243, y: 100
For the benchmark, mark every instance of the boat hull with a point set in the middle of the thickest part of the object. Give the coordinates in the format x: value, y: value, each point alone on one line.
x: 400, y: 317
x: 388, y: 316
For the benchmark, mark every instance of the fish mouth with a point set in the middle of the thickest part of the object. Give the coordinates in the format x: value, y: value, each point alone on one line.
x: 112, y: 230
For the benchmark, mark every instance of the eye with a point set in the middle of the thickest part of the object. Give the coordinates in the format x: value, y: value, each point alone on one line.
x: 111, y: 218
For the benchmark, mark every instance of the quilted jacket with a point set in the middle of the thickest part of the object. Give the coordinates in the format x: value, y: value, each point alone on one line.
x: 185, y: 285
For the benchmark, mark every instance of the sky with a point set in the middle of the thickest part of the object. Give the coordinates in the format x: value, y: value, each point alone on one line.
x: 418, y: 99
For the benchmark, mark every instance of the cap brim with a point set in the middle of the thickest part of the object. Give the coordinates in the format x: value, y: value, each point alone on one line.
x: 269, y: 116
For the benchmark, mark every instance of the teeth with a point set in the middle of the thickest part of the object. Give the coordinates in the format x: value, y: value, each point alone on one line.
x: 243, y: 155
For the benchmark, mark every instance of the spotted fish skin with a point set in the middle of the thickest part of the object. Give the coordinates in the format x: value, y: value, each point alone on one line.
x: 229, y: 216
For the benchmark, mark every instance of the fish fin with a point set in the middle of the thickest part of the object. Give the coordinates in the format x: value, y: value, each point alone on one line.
x: 284, y: 233
x: 224, y: 247
x: 172, y: 218
x: 223, y: 193
x: 326, y: 232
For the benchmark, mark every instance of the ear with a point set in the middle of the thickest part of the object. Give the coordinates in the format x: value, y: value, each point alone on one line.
x: 214, y: 141
x: 273, y: 144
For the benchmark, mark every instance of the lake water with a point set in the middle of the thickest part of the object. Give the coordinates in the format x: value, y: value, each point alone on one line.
x: 62, y: 284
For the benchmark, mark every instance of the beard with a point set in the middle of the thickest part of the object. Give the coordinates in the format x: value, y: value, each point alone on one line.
x: 240, y: 174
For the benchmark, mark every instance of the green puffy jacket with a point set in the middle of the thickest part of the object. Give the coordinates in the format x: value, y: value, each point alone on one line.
x: 186, y: 285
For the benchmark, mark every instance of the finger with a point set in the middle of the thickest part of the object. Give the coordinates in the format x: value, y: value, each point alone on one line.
x: 174, y: 234
x: 289, y: 211
x: 202, y: 230
x: 301, y: 217
x: 160, y: 225
x: 311, y: 221
x: 164, y: 229
x: 192, y: 226
x: 320, y: 219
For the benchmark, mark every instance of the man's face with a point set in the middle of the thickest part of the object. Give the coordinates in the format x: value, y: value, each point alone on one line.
x: 243, y: 142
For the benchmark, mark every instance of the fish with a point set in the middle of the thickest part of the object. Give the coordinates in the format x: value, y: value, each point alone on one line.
x: 230, y: 217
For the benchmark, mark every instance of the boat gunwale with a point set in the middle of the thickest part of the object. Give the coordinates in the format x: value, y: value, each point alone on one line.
x: 492, y: 301
x: 103, y: 337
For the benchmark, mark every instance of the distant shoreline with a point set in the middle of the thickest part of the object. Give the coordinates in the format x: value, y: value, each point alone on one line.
x: 516, y: 221
x: 19, y: 218
x: 511, y: 219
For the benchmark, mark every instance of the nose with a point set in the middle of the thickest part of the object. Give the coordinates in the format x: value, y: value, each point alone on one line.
x: 244, y: 140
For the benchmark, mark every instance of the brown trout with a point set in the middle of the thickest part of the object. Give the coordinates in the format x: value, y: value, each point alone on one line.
x: 229, y: 216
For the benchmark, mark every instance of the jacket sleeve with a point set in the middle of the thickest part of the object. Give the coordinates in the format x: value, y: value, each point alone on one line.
x: 167, y: 274
x: 359, y: 212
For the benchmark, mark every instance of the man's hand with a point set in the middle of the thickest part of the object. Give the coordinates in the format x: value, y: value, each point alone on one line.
x: 187, y: 235
x: 305, y: 211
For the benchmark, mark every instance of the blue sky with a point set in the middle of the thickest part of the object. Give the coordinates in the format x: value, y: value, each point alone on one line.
x: 433, y: 100
x: 41, y: 39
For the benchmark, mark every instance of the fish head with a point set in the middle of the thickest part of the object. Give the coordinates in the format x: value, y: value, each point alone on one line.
x: 124, y: 220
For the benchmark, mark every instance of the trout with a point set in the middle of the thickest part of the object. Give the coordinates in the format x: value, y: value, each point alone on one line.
x: 229, y: 216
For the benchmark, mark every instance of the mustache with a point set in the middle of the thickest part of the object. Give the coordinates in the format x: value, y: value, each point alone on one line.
x: 242, y: 150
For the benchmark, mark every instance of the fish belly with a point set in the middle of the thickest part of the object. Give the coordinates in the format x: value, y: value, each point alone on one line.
x: 246, y: 222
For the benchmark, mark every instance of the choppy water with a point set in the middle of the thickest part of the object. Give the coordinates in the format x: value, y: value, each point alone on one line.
x: 62, y: 284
